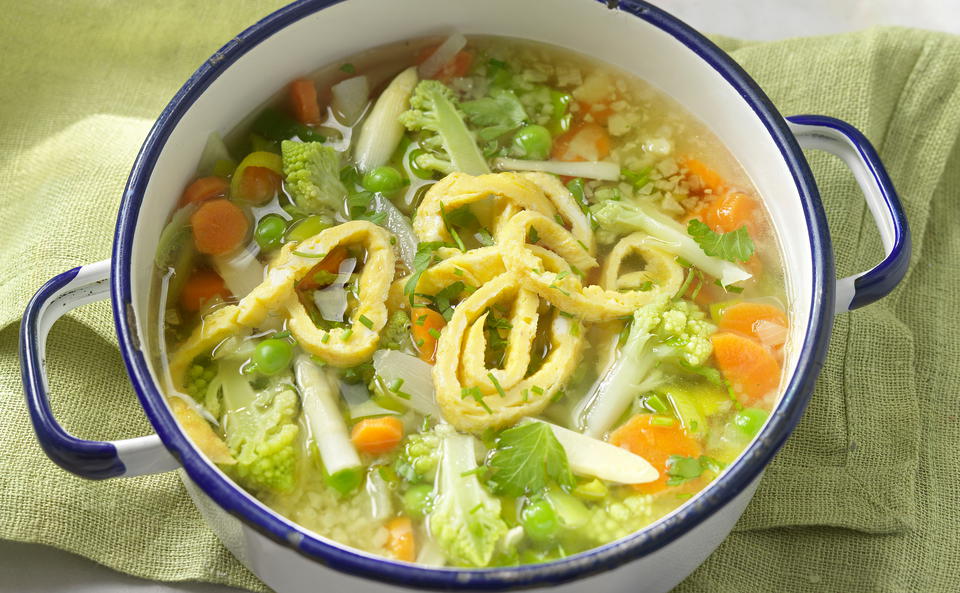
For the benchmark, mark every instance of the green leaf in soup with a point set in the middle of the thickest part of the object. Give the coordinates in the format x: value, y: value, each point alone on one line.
x: 735, y: 246
x: 527, y: 457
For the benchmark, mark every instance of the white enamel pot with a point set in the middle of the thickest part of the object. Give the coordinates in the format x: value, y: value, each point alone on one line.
x: 297, y: 39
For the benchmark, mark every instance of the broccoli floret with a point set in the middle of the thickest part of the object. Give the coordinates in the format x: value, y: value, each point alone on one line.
x: 451, y: 146
x: 620, y: 217
x: 614, y: 519
x: 661, y: 331
x: 419, y: 457
x: 465, y: 521
x: 261, y: 430
x: 396, y: 334
x: 685, y: 333
x: 312, y: 175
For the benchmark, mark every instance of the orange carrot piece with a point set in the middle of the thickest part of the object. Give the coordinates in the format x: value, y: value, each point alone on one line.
x: 709, y: 179
x: 258, y: 185
x: 750, y: 368
x: 586, y: 141
x: 729, y: 212
x: 599, y: 112
x: 743, y: 317
x: 426, y: 325
x: 456, y: 67
x: 203, y: 189
x: 377, y: 435
x: 655, y: 443
x: 400, y: 539
x: 303, y: 101
x: 200, y: 287
x: 330, y: 264
x: 219, y: 226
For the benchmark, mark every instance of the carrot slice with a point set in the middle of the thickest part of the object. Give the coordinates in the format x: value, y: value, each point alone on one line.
x: 708, y: 178
x: 599, y: 112
x: 644, y: 436
x: 203, y: 189
x: 200, y: 287
x: 750, y: 368
x: 457, y: 67
x: 258, y: 185
x: 426, y: 325
x: 586, y: 141
x: 303, y: 101
x: 219, y: 226
x: 400, y: 539
x: 743, y: 318
x: 329, y: 264
x: 730, y: 212
x: 377, y: 435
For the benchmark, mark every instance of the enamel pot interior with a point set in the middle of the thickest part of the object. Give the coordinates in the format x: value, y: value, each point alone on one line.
x: 638, y: 39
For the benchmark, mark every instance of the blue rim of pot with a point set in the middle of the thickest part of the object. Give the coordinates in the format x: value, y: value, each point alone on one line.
x: 736, y: 478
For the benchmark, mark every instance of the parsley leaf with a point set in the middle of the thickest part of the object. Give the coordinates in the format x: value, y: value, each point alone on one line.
x: 496, y: 114
x: 735, y: 246
x: 526, y: 458
x: 426, y: 252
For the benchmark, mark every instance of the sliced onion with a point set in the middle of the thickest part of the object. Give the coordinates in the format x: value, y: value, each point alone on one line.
x: 214, y: 152
x: 442, y: 55
x: 399, y: 225
x: 241, y: 272
x: 381, y: 498
x: 771, y: 335
x: 416, y: 376
x: 589, y: 169
x: 331, y: 301
x: 350, y: 98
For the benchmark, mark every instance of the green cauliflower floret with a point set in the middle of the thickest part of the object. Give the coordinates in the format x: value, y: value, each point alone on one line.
x: 261, y: 430
x: 613, y: 519
x: 622, y: 217
x: 312, y: 175
x: 396, y: 334
x: 685, y: 333
x: 201, y: 372
x: 450, y: 146
x: 465, y: 521
x: 419, y: 457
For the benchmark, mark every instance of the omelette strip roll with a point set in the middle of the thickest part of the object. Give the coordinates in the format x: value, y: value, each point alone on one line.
x: 474, y: 406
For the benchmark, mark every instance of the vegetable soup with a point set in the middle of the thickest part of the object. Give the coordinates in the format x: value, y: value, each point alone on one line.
x: 471, y: 303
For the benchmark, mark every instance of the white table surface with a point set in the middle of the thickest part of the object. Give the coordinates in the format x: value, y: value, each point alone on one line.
x: 38, y: 569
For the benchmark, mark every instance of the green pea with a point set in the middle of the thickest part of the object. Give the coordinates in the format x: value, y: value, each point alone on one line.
x: 269, y: 232
x: 418, y: 500
x: 307, y: 228
x: 750, y: 420
x: 383, y: 180
x: 540, y: 521
x: 272, y: 356
x: 533, y: 142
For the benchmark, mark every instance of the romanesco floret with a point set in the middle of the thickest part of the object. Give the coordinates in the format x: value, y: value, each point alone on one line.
x: 198, y: 378
x: 465, y: 521
x: 685, y: 330
x: 396, y: 334
x: 450, y: 146
x: 312, y: 175
x: 614, y: 519
x: 261, y: 430
x: 419, y: 457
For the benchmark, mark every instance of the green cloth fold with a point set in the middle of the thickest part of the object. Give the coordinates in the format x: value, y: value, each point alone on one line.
x: 863, y: 497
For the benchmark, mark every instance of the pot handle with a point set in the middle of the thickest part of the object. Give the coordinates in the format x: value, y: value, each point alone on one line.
x: 88, y: 459
x: 840, y: 138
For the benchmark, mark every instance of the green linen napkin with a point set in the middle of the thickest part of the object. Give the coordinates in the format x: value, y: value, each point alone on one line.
x: 863, y: 497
